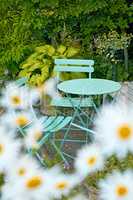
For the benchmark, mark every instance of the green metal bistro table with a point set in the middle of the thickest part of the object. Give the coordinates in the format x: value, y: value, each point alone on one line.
x: 86, y: 88
x: 89, y: 87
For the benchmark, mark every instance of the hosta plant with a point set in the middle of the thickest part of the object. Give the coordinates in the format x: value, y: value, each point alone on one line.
x: 39, y: 66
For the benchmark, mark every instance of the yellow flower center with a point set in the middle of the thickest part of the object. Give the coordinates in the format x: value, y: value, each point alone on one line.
x: 121, y: 191
x: 91, y: 161
x: 21, y: 121
x: 37, y: 135
x: 61, y: 185
x: 1, y: 149
x: 35, y: 146
x: 22, y: 171
x: 34, y: 182
x: 124, y: 132
x: 16, y: 100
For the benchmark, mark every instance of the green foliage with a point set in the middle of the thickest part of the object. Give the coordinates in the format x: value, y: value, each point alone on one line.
x: 1, y: 179
x: 112, y: 164
x: 39, y: 66
x: 108, y: 44
x: 104, y: 69
x: 31, y: 23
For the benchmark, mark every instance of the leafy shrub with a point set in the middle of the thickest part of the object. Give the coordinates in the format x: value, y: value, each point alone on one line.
x: 39, y: 66
x: 27, y: 24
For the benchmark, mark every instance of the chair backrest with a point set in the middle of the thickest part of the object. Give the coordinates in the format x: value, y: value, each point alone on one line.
x: 22, y: 81
x: 73, y: 65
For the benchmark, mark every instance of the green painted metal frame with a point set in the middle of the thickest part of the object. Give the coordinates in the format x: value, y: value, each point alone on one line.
x: 22, y: 81
x: 51, y: 124
x: 54, y: 124
x: 74, y: 65
x: 71, y: 65
x: 68, y: 89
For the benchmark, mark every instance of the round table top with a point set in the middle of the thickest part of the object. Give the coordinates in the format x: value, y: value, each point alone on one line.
x: 88, y: 86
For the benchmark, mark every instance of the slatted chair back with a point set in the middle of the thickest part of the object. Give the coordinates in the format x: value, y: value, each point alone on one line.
x: 22, y: 81
x: 73, y: 65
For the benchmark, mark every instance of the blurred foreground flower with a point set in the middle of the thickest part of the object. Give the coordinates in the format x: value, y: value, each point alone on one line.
x: 33, y: 134
x: 89, y: 160
x: 117, y: 186
x: 9, y: 150
x: 25, y: 178
x: 62, y: 185
x: 15, y: 97
x: 24, y: 166
x: 50, y: 88
x: 15, y: 120
x: 114, y: 128
x: 30, y: 186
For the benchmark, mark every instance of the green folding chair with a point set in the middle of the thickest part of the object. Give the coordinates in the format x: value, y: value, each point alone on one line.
x: 54, y: 125
x: 21, y: 81
x: 68, y: 101
x: 51, y: 125
x: 76, y: 66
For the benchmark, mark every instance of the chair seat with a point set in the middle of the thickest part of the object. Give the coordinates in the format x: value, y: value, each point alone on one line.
x: 55, y: 123
x: 65, y: 102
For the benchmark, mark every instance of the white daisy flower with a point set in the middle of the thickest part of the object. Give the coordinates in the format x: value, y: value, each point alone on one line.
x: 9, y: 150
x: 114, y: 130
x: 34, y: 95
x: 89, y: 159
x: 15, y: 97
x: 61, y: 184
x: 17, y: 119
x: 24, y: 166
x: 118, y: 186
x: 32, y: 186
x: 50, y: 88
x: 4, y: 129
x: 33, y: 134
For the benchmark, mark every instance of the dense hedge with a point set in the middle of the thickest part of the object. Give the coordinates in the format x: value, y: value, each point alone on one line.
x: 27, y: 24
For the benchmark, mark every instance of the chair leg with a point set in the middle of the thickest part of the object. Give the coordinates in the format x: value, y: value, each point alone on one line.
x: 69, y: 128
x: 60, y: 153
